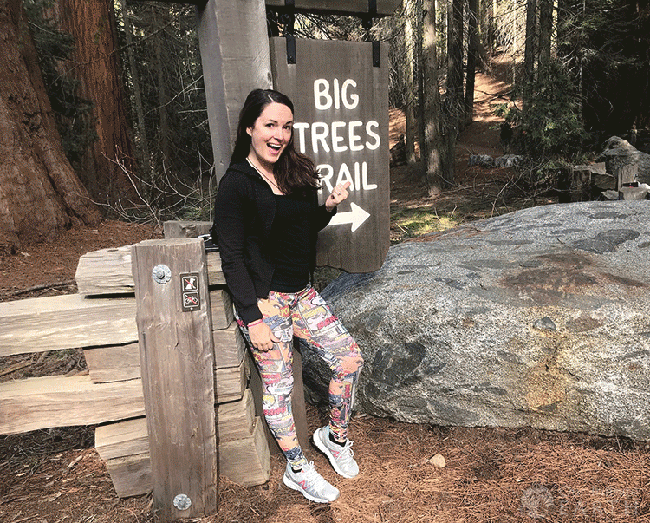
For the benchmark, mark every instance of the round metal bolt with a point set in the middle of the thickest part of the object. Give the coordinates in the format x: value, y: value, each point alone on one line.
x: 182, y: 502
x: 161, y: 274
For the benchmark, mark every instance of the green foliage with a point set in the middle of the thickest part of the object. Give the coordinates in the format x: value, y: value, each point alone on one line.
x: 550, y: 123
x: 414, y: 222
x: 71, y: 112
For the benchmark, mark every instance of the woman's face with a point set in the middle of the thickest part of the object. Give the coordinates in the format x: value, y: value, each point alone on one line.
x: 270, y: 133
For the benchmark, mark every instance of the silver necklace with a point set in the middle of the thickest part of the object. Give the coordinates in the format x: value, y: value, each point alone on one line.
x: 262, y: 174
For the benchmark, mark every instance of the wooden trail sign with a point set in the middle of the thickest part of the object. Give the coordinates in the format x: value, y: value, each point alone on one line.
x: 340, y: 94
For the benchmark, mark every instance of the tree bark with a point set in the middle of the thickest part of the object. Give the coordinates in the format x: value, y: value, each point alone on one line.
x: 545, y: 30
x: 431, y: 99
x: 409, y: 40
x: 40, y: 193
x: 142, y: 140
x: 531, y: 37
x: 92, y: 24
x: 472, y: 59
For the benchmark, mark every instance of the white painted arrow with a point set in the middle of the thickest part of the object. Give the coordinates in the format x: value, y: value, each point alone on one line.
x: 356, y: 217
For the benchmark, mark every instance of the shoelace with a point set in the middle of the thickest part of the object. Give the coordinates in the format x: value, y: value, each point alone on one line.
x: 346, y: 454
x: 311, y: 476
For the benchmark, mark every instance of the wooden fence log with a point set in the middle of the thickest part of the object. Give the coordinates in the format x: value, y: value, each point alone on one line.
x: 185, y: 228
x: 229, y: 346
x: 65, y: 322
x: 108, y: 271
x: 222, y: 313
x: 65, y: 401
x: 246, y: 461
x: 177, y: 366
x: 122, y: 363
x: 124, y: 447
x: 125, y: 438
x: 131, y: 475
x: 115, y: 363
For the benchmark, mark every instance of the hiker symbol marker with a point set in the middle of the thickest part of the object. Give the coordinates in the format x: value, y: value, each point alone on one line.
x: 191, y: 299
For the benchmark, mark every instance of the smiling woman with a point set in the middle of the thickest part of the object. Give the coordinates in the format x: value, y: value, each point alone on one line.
x: 267, y: 218
x: 270, y: 134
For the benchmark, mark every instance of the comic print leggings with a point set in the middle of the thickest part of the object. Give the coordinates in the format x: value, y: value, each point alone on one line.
x: 307, y: 316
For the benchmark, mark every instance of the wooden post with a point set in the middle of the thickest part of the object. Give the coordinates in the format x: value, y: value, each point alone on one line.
x: 234, y: 45
x: 177, y: 366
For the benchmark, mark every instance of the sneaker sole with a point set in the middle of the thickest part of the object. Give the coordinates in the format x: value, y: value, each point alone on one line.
x: 293, y: 485
x: 323, y: 448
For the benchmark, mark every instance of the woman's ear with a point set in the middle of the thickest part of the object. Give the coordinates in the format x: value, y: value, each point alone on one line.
x: 249, y: 131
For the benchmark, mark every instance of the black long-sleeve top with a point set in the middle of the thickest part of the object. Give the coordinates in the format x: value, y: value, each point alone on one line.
x: 245, y: 209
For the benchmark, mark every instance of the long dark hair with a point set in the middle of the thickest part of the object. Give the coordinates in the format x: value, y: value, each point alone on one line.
x: 293, y: 170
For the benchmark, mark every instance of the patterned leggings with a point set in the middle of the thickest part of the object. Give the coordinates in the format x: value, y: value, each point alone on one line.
x: 306, y: 315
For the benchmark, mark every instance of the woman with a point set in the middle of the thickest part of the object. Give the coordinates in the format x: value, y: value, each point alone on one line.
x: 266, y: 221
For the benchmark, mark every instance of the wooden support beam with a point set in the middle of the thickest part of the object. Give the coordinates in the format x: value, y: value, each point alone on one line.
x: 65, y: 401
x: 342, y: 7
x: 234, y: 45
x: 347, y: 7
x: 177, y: 366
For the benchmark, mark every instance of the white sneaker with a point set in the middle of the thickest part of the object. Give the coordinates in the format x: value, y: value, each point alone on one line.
x: 341, y: 457
x: 310, y: 484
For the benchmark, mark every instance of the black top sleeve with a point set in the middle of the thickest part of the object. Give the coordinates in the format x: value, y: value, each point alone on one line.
x: 233, y: 199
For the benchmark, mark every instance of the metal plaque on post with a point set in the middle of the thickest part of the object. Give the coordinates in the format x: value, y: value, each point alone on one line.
x: 340, y: 94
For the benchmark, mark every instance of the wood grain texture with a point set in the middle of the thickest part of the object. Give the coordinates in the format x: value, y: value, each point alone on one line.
x: 177, y: 366
x: 243, y: 452
x: 108, y: 271
x: 65, y: 322
x: 229, y: 346
x: 65, y: 401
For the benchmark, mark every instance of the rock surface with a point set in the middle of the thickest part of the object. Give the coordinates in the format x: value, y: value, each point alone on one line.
x: 625, y: 161
x: 537, y: 318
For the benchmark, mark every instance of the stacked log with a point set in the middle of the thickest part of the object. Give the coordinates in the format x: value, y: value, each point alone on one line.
x: 101, y: 320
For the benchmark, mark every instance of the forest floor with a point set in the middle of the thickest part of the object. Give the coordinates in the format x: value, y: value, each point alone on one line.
x: 490, y: 474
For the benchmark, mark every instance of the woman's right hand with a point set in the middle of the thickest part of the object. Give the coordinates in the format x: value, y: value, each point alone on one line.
x: 262, y: 336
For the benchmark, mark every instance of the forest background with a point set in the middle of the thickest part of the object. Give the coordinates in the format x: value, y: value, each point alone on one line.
x: 104, y: 112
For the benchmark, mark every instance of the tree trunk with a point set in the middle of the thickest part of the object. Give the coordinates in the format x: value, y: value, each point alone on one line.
x: 163, y: 97
x: 143, y: 142
x: 472, y: 58
x: 454, y: 103
x: 545, y: 30
x: 409, y: 40
x: 531, y: 37
x: 40, y: 193
x: 92, y: 24
x: 431, y: 150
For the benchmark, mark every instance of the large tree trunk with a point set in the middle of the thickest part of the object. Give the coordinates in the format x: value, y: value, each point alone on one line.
x: 40, y: 193
x: 92, y: 24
